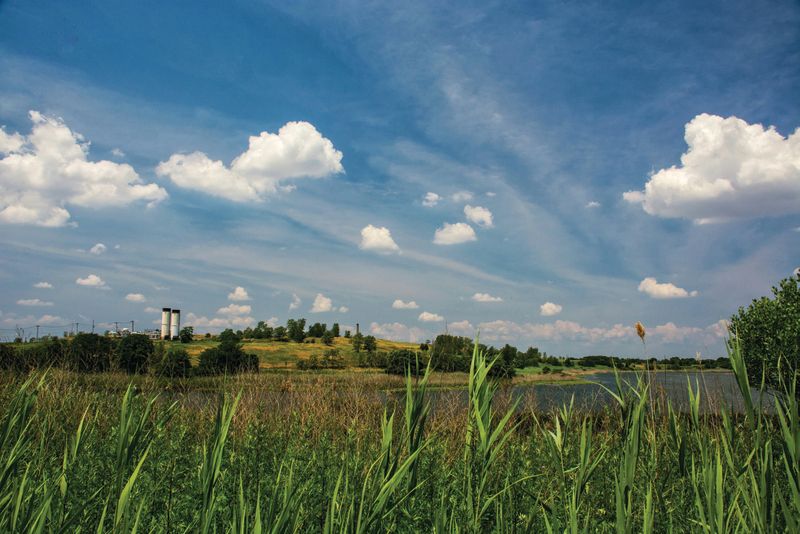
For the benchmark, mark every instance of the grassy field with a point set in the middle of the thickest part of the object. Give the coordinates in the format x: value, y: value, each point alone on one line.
x: 278, y: 354
x: 362, y: 451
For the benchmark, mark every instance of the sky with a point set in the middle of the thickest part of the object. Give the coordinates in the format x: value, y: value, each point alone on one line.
x: 540, y: 173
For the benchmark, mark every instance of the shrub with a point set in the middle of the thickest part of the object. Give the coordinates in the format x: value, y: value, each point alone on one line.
x: 227, y: 358
x: 134, y: 352
x: 90, y: 353
x: 174, y: 364
x: 187, y: 334
x: 377, y: 359
x: 327, y: 337
x: 400, y: 361
x: 768, y: 331
x: 229, y: 335
x: 8, y: 356
x: 330, y: 360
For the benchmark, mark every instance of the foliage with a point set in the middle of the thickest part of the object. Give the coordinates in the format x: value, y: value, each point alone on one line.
x: 228, y: 358
x: 357, y: 341
x: 339, y: 457
x: 134, y: 351
x: 229, y: 335
x: 317, y: 329
x: 186, y: 334
x: 174, y: 364
x: 330, y: 360
x: 328, y: 337
x: 768, y: 332
x: 295, y: 330
x: 400, y: 362
x: 370, y: 344
x: 90, y: 352
x: 280, y: 334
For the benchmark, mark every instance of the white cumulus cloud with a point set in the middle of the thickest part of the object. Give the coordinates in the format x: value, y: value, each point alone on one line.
x: 549, y: 309
x: 12, y: 319
x: 485, y: 297
x: 478, y: 215
x: 234, y: 309
x: 135, y: 297
x: 592, y: 204
x: 321, y: 304
x: 219, y: 323
x: 650, y: 286
x: 430, y: 199
x: 298, y: 150
x: 46, y: 172
x: 296, y: 302
x: 461, y: 196
x: 97, y: 249
x: 453, y: 234
x: 400, y: 305
x: 43, y: 285
x: 34, y: 302
x: 238, y: 294
x: 397, y: 332
x: 91, y: 281
x: 462, y: 327
x: 731, y: 170
x: 378, y: 239
x: 428, y: 317
x: 343, y: 309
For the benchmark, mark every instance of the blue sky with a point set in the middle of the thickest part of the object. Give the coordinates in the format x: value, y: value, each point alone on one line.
x: 585, y: 165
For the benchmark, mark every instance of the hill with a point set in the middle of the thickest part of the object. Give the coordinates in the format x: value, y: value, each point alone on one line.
x: 283, y: 354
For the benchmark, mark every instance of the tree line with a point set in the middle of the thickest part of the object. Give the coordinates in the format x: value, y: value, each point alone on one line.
x: 133, y: 354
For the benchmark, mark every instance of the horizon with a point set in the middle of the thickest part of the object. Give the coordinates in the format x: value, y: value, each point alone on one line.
x: 544, y: 175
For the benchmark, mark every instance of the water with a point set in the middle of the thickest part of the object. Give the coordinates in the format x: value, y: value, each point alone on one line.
x: 718, y: 390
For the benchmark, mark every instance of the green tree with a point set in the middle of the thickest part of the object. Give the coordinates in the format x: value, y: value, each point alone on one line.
x: 317, y: 330
x: 370, y: 344
x: 174, y: 364
x: 134, y: 352
x: 279, y: 334
x: 90, y: 352
x: 228, y: 357
x: 357, y: 341
x: 295, y: 329
x: 186, y: 334
x: 262, y: 330
x: 229, y: 335
x: 327, y: 337
x: 335, y: 329
x: 768, y: 332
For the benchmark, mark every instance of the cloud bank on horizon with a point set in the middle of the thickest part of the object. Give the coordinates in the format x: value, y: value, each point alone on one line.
x: 489, y: 188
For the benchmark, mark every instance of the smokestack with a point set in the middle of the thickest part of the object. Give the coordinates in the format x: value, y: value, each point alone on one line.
x: 175, y: 328
x: 165, y: 322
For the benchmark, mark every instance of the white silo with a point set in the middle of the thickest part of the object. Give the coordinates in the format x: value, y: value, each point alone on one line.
x: 166, y: 316
x: 175, y: 328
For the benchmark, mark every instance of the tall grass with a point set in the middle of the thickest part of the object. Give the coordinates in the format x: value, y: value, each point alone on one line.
x: 326, y: 455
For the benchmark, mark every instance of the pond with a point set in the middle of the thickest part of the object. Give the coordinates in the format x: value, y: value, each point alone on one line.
x: 718, y: 390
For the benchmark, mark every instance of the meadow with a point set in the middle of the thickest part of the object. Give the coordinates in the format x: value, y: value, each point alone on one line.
x: 364, y: 452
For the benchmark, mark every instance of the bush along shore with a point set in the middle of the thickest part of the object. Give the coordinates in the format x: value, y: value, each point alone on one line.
x: 339, y: 459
